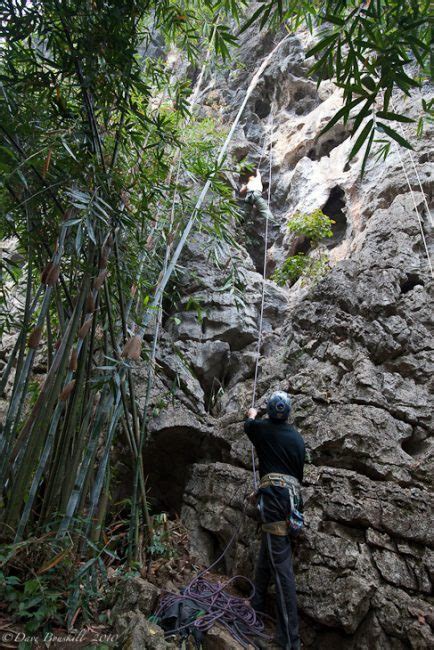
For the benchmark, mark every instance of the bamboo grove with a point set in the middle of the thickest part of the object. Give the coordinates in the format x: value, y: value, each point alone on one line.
x: 103, y: 155
x: 102, y: 160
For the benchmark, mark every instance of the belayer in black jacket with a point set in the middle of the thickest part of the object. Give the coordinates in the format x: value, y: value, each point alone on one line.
x: 281, y: 454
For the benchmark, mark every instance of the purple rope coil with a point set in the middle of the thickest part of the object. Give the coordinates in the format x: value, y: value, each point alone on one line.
x: 232, y: 612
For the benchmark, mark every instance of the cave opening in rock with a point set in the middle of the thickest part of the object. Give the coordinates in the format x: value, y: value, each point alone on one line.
x: 326, y: 145
x: 301, y: 244
x: 262, y: 108
x: 412, y: 280
x: 216, y: 556
x: 415, y: 447
x: 334, y: 208
x: 167, y: 462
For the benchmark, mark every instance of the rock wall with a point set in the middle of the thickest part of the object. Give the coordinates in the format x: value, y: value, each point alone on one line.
x: 355, y: 351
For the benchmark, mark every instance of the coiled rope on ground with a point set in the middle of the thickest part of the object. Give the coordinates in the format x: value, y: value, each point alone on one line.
x: 217, y: 605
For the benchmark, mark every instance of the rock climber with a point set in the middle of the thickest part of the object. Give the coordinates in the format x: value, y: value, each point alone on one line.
x: 281, y: 453
x: 252, y: 191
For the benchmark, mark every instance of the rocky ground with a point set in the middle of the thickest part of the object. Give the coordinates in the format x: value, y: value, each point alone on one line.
x: 354, y: 350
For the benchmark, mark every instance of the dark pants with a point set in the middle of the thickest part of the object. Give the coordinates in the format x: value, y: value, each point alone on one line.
x: 255, y: 198
x: 275, y: 561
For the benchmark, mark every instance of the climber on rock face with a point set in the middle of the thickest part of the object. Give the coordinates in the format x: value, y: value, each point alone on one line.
x: 252, y: 191
x: 281, y: 453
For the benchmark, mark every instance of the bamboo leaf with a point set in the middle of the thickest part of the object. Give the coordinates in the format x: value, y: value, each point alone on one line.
x: 325, y: 42
x: 393, y: 134
x: 252, y: 19
x: 367, y: 152
x: 54, y: 562
x: 343, y: 112
x: 388, y: 115
x: 364, y: 112
x: 68, y: 149
x: 361, y: 139
x: 331, y: 18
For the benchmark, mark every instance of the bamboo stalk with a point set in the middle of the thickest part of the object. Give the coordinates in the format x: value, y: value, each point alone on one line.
x: 35, y: 428
x: 19, y: 342
x: 107, y: 403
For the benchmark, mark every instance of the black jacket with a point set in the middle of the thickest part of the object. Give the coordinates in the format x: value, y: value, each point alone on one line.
x: 279, y: 446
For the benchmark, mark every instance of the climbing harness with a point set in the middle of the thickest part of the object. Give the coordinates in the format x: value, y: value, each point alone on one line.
x: 294, y: 523
x: 281, y: 480
x: 279, y: 528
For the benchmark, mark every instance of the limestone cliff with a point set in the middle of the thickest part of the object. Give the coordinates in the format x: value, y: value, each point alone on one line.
x: 354, y: 349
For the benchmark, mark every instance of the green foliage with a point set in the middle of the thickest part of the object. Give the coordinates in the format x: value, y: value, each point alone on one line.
x: 161, y: 544
x: 34, y: 602
x: 310, y: 269
x: 428, y: 117
x: 314, y: 225
x: 34, y: 598
x: 292, y: 268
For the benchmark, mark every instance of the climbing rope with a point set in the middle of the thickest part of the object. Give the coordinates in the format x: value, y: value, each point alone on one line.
x: 264, y: 276
x: 428, y: 211
x: 211, y: 603
x: 419, y: 217
x: 420, y: 220
x: 216, y: 605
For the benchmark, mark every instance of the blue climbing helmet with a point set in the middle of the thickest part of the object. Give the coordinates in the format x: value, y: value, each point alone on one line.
x: 279, y: 405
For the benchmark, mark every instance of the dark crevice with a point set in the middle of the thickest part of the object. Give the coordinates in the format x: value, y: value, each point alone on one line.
x: 216, y: 550
x: 166, y: 479
x: 346, y: 531
x: 262, y: 108
x: 300, y: 244
x: 334, y: 208
x: 415, y: 446
x: 412, y: 280
x: 333, y: 458
x: 324, y: 146
x: 391, y: 411
x: 304, y: 100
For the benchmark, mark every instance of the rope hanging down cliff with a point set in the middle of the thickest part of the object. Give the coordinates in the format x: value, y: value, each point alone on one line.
x: 178, y: 613
x: 264, y: 276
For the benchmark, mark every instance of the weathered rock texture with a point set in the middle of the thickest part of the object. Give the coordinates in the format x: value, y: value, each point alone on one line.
x: 355, y: 351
